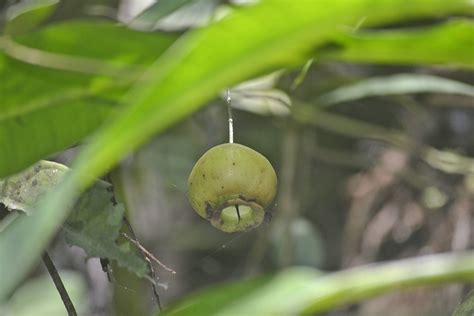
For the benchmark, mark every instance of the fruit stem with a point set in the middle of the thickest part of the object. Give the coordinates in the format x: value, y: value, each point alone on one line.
x: 229, y: 113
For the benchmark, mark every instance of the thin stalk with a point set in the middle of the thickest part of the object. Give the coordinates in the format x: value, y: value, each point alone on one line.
x: 229, y: 114
x: 53, y: 272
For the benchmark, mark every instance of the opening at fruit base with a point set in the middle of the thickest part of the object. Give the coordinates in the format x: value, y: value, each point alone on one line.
x: 237, y: 215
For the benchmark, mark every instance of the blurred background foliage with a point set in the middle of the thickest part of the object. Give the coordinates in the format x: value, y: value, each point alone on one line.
x: 371, y: 133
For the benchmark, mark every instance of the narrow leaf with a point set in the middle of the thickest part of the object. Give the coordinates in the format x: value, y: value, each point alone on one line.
x: 396, y: 84
x: 446, y: 44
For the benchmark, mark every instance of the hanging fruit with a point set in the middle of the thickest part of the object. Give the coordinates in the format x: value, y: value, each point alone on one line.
x: 231, y: 186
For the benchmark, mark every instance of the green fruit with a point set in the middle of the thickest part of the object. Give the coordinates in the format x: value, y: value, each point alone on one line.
x: 231, y: 185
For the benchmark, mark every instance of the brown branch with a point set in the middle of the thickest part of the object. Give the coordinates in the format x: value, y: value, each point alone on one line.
x: 150, y: 266
x: 71, y: 311
x: 147, y: 253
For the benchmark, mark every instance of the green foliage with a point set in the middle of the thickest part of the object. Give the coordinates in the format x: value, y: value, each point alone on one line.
x: 210, y: 301
x: 72, y: 104
x: 467, y: 306
x: 24, y: 17
x: 149, y: 17
x: 39, y: 296
x: 397, y: 84
x: 446, y: 43
x: 71, y: 87
x: 22, y: 190
x: 305, y: 291
x: 94, y: 223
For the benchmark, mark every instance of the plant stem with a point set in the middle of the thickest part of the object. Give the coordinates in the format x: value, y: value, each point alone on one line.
x: 229, y: 114
x: 53, y: 272
x: 147, y: 253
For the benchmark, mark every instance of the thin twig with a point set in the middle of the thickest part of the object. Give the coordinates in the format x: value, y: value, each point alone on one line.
x: 147, y: 253
x: 150, y: 266
x: 153, y: 286
x: 231, y: 121
x: 71, y: 311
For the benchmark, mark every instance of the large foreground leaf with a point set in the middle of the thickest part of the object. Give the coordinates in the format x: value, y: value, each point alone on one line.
x: 254, y: 40
x: 305, y: 291
x: 46, y: 110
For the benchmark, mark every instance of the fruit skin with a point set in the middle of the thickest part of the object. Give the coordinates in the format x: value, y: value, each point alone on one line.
x: 230, y: 175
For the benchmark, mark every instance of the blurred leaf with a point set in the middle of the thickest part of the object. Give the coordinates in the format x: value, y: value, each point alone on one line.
x: 22, y: 190
x: 302, y: 74
x: 26, y: 15
x: 94, y: 223
x: 259, y: 96
x: 396, y: 84
x: 467, y: 306
x: 182, y: 80
x: 40, y: 297
x: 44, y: 110
x: 151, y: 15
x: 176, y: 15
x: 40, y: 116
x: 211, y: 300
x: 106, y: 41
x: 306, y: 245
x: 305, y: 291
x: 263, y: 102
x: 446, y: 43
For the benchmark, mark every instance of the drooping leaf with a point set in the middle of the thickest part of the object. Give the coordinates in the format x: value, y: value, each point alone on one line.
x: 395, y: 84
x: 177, y: 15
x: 446, y: 44
x: 25, y: 16
x: 259, y: 96
x: 187, y: 76
x: 94, y: 223
x: 155, y: 12
x: 105, y: 42
x: 305, y: 291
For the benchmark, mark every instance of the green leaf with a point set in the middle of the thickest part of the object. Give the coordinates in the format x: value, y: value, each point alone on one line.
x: 25, y: 16
x: 441, y: 44
x: 259, y: 96
x: 106, y: 41
x: 306, y: 291
x: 45, y: 110
x: 22, y: 190
x: 40, y: 297
x: 396, y: 84
x: 158, y: 10
x: 94, y: 223
x: 211, y: 300
x: 193, y: 71
x: 467, y: 306
x: 177, y: 15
